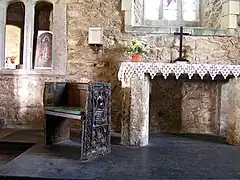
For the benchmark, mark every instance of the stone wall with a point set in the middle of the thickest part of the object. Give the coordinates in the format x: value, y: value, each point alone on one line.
x: 233, y: 136
x: 21, y: 101
x: 86, y: 64
x: 189, y: 106
x: 224, y: 110
x: 199, y: 49
x: 165, y: 105
x: 200, y: 107
x: 212, y: 13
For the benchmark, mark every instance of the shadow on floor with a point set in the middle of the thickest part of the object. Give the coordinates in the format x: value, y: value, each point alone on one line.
x: 168, y: 156
x: 10, y: 150
x: 201, y: 137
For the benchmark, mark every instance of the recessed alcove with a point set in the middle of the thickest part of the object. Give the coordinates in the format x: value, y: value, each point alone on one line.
x: 188, y: 106
x: 42, y: 22
x: 165, y: 105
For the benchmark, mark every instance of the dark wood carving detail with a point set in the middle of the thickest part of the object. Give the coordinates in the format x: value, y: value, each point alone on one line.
x: 97, y: 126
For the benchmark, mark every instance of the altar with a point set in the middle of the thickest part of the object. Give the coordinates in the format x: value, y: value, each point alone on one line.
x: 135, y: 79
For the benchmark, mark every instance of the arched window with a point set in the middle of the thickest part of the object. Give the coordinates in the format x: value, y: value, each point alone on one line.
x: 13, y: 45
x: 14, y: 35
x: 42, y: 24
x: 43, y: 16
x: 39, y: 16
x: 171, y: 12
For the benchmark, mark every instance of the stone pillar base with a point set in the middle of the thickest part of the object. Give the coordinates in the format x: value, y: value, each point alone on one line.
x: 234, y: 112
x: 135, y: 124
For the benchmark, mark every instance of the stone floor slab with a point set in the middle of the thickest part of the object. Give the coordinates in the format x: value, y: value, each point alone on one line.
x: 168, y: 156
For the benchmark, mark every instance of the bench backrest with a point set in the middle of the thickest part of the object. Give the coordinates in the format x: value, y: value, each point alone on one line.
x: 55, y: 94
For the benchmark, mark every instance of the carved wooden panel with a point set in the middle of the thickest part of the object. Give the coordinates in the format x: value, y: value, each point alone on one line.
x: 97, y: 126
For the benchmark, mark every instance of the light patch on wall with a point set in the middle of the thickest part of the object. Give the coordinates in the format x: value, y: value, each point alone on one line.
x: 190, y: 10
x: 13, y: 42
x: 169, y: 9
x: 151, y: 9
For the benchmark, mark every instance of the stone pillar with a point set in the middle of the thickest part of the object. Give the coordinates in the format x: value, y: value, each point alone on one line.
x: 3, y: 13
x: 230, y: 11
x: 234, y: 112
x: 224, y: 109
x: 138, y: 12
x: 59, y: 29
x: 28, y: 34
x: 126, y: 111
x: 128, y: 8
x: 135, y: 131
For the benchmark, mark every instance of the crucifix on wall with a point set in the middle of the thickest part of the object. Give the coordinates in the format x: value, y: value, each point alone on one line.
x: 181, y: 34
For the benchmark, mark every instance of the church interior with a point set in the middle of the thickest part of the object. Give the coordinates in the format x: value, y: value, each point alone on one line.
x: 119, y: 89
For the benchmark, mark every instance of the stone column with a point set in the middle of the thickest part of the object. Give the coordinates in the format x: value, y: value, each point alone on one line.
x: 230, y: 11
x: 3, y: 13
x: 28, y: 34
x: 135, y: 131
x: 59, y: 29
x: 138, y: 12
x: 234, y: 112
x: 128, y: 8
x: 126, y: 111
x: 224, y: 109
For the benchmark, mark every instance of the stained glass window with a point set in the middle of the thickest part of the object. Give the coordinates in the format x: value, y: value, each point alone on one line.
x: 171, y: 10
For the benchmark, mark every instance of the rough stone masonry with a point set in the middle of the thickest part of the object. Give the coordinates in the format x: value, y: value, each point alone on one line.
x: 84, y: 65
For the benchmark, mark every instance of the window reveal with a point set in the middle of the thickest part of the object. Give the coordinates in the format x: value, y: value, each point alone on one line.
x: 171, y: 10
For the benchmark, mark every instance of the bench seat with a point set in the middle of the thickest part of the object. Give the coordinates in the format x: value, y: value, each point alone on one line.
x: 96, y: 125
x: 65, y: 111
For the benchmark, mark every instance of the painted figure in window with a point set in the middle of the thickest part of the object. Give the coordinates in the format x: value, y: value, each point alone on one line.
x: 169, y: 2
x: 43, y: 58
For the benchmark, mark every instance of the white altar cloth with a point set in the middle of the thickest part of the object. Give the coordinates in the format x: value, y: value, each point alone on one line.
x: 128, y: 69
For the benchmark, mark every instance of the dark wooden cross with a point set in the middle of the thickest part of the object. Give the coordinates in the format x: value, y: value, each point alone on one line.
x: 181, y: 33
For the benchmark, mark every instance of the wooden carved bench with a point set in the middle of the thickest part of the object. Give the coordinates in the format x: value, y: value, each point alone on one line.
x: 96, y: 118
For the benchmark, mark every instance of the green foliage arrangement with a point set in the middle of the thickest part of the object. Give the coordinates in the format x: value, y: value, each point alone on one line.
x: 137, y: 48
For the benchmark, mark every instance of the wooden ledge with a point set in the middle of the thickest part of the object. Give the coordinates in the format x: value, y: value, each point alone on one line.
x: 60, y: 114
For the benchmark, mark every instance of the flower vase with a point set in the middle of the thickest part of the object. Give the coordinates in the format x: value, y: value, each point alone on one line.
x: 137, y: 57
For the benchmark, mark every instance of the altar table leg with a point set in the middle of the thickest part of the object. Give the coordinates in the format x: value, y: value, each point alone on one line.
x: 233, y: 136
x: 138, y: 130
x: 56, y: 129
x: 126, y: 109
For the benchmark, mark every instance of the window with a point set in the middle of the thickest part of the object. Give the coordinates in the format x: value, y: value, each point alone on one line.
x: 42, y: 28
x: 23, y: 22
x: 171, y: 12
x: 14, y: 35
x: 13, y: 50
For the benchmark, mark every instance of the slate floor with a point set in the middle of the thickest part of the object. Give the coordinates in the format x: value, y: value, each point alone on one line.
x: 168, y: 156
